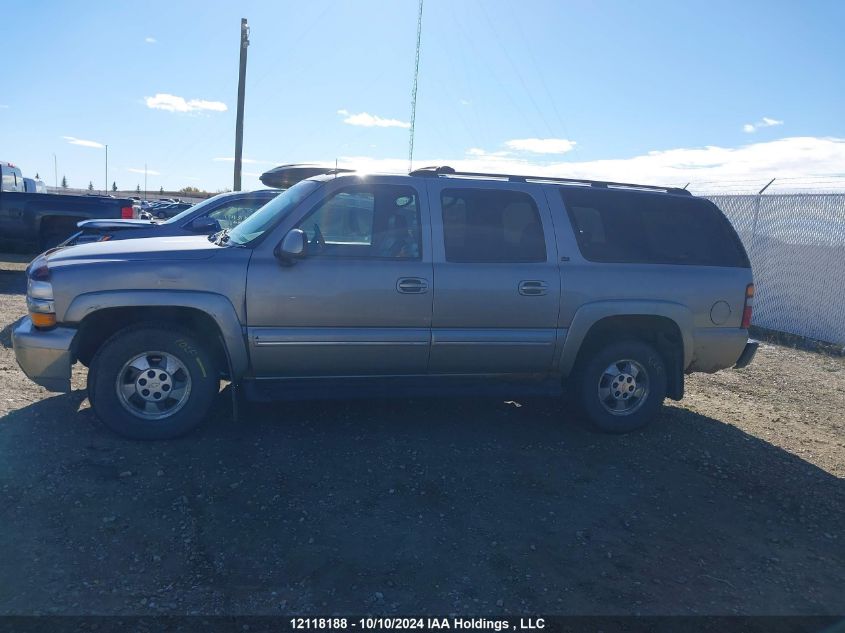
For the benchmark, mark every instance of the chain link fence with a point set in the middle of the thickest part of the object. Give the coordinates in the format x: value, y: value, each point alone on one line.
x: 796, y: 243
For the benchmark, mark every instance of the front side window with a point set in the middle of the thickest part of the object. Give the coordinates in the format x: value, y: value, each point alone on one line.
x: 378, y: 221
x: 491, y: 226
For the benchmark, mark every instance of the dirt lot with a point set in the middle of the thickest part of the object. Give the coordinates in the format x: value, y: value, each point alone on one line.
x: 732, y: 502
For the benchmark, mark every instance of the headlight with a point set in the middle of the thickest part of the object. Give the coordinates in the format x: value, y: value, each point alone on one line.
x: 39, y: 294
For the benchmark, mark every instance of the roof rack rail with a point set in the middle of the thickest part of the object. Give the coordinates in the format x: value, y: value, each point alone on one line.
x: 445, y: 170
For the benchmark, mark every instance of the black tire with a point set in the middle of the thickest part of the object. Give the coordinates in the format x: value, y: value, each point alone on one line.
x: 592, y: 377
x: 155, y: 343
x: 90, y: 384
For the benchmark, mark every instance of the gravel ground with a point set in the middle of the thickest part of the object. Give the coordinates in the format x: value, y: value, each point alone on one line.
x: 731, y: 502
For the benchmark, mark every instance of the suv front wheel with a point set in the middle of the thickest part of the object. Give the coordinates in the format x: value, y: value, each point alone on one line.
x: 621, y: 386
x: 152, y: 382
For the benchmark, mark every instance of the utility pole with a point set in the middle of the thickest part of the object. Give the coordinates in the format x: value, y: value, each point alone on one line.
x: 106, y: 190
x: 414, y: 91
x: 239, y: 121
x: 145, y: 181
x: 56, y: 171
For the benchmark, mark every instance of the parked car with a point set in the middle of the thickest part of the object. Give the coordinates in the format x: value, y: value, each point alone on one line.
x: 434, y: 282
x: 223, y: 211
x: 11, y: 178
x: 31, y: 185
x: 167, y: 210
x: 46, y: 219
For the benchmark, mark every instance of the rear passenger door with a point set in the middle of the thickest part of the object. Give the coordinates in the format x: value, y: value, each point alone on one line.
x: 497, y: 284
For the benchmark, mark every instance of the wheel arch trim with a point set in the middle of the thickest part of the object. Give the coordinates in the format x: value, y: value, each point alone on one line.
x: 591, y: 313
x: 216, y: 306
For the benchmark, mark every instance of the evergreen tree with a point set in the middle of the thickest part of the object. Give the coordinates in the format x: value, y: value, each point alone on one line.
x: 114, y: 186
x: 161, y: 191
x: 64, y: 182
x: 37, y: 177
x: 90, y: 186
x: 138, y: 189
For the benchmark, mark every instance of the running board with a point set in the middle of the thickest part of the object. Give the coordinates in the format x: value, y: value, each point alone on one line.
x: 273, y: 389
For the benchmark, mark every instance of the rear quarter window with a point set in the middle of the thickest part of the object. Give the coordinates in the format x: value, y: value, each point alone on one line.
x: 644, y: 228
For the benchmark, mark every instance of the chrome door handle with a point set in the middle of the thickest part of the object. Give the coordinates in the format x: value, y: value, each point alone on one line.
x: 412, y: 285
x: 533, y: 288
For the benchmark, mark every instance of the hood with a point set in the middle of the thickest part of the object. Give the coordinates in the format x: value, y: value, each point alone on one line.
x: 150, y: 249
x: 115, y: 224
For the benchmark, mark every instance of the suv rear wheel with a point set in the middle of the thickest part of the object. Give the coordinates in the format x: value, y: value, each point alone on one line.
x: 152, y: 382
x: 621, y: 386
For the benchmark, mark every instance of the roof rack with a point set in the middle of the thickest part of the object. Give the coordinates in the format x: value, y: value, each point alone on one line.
x: 445, y: 170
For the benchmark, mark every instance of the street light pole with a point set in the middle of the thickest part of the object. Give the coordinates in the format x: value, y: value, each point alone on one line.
x: 106, y: 190
x: 56, y: 171
x: 145, y: 181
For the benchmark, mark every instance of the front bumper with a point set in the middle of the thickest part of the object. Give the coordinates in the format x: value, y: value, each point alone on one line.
x: 747, y: 354
x: 44, y: 355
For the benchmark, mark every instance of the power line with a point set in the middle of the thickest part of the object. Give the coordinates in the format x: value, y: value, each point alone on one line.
x: 414, y: 91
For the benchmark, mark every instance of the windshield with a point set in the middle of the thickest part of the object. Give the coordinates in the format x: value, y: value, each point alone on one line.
x: 269, y: 215
x: 197, y: 207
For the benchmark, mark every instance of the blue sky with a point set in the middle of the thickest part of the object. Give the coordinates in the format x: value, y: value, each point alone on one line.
x: 723, y: 94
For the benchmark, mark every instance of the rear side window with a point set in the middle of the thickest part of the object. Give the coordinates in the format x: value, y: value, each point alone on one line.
x: 644, y: 228
x: 8, y: 179
x: 491, y: 226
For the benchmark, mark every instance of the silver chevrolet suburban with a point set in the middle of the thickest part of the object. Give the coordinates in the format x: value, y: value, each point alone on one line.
x: 433, y: 282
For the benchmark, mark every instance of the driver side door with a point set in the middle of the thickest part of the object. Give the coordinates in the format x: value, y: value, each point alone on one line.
x: 360, y: 302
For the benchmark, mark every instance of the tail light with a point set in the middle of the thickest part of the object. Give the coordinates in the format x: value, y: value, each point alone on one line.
x: 126, y: 213
x: 748, y: 309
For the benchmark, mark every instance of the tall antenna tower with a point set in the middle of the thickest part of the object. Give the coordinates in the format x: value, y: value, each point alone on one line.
x: 414, y: 91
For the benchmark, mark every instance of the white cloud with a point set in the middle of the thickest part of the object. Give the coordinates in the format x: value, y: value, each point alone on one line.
x: 81, y: 141
x: 541, y: 145
x: 477, y: 152
x: 464, y: 102
x: 150, y: 40
x: 149, y: 172
x: 764, y: 122
x: 819, y: 161
x: 172, y: 103
x: 365, y: 119
x: 3, y: 106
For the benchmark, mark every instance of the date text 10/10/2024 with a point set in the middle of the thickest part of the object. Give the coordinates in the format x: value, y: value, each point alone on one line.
x: 411, y: 623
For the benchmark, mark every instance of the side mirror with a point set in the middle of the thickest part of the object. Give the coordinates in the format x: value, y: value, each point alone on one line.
x: 292, y: 247
x: 205, y: 225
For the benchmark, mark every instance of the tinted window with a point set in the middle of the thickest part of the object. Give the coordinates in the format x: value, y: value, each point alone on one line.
x: 492, y: 226
x: 381, y: 221
x: 636, y: 227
